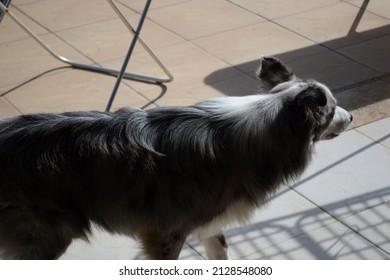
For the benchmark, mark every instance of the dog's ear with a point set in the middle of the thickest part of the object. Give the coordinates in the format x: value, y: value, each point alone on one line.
x: 311, y: 98
x: 272, y: 71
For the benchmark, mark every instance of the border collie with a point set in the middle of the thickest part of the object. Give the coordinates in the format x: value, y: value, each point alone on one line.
x: 158, y: 175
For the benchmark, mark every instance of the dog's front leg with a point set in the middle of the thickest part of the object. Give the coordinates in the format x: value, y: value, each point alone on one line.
x: 162, y: 246
x: 216, y: 247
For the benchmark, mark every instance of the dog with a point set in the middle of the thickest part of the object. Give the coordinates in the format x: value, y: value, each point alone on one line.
x: 158, y: 175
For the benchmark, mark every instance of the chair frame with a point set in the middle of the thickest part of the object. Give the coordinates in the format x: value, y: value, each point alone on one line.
x: 119, y: 73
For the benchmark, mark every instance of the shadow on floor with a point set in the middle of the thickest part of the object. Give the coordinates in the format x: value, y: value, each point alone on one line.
x: 341, y: 68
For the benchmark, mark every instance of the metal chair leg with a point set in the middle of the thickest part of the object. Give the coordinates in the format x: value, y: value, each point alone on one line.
x: 130, y: 50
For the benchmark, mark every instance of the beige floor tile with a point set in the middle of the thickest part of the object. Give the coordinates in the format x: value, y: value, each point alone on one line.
x: 189, y: 65
x: 141, y: 62
x: 279, y: 8
x: 373, y: 53
x: 11, y: 31
x: 334, y: 25
x: 149, y: 91
x: 238, y: 86
x: 24, y: 59
x: 378, y: 7
x: 58, y: 15
x: 247, y: 44
x: 188, y: 98
x: 100, y: 41
x: 194, y: 19
x: 72, y: 90
x: 6, y: 109
x: 154, y: 34
x: 110, y: 39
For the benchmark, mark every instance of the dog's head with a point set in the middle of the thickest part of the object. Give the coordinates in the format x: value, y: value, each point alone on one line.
x: 311, y: 99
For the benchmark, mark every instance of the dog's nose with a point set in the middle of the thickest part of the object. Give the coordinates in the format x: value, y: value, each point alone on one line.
x: 351, y: 117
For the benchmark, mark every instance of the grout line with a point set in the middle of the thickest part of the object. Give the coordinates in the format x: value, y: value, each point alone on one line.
x: 11, y: 104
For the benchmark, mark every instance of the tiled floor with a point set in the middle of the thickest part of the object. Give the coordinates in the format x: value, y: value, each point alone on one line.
x: 339, y: 209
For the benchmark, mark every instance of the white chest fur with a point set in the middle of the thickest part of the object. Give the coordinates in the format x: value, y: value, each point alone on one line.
x: 238, y: 213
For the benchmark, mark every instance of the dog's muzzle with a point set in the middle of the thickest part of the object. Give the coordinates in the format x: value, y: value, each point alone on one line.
x: 341, y: 120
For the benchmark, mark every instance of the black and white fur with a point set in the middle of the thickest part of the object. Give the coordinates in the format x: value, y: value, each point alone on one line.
x: 158, y: 175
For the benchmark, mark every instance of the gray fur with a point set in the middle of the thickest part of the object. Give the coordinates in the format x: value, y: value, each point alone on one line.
x: 157, y: 175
